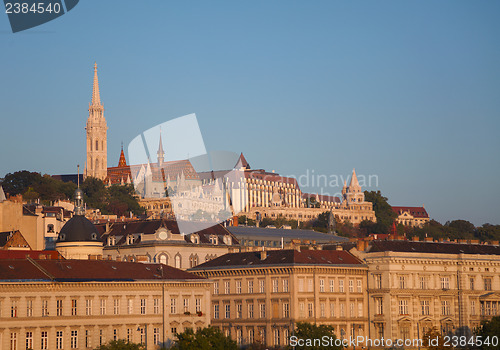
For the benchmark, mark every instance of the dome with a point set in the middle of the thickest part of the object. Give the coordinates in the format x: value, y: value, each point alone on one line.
x: 78, y: 229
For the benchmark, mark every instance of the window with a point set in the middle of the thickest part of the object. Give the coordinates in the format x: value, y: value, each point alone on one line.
x: 250, y: 286
x: 156, y: 336
x: 216, y: 288
x: 44, y: 343
x: 275, y: 285
x: 239, y: 310
x: 332, y: 286
x: 471, y: 281
x: 227, y: 287
x: 301, y: 310
x: 45, y: 307
x: 88, y: 337
x: 351, y: 309
x: 251, y: 336
x: 103, y: 306
x: 197, y: 304
x: 405, y: 331
x: 250, y: 310
x: 351, y: 286
x: 115, y: 334
x: 310, y: 286
x: 286, y: 310
x: 142, y: 331
x: 332, y: 309
x: 238, y: 287
x: 130, y: 306
x: 445, y: 307
x: 378, y: 281
x: 487, y: 283
x: 262, y: 310
x: 310, y: 310
x: 342, y: 309
x: 424, y: 282
x: 322, y: 310
x: 129, y: 335
x: 360, y: 309
x: 402, y: 282
x: 403, y: 307
x: 216, y: 311
x: 73, y: 307
x: 29, y: 307
x: 173, y: 306
x: 322, y: 285
x: 285, y: 286
x: 239, y: 336
x: 88, y: 307
x: 262, y: 286
x: 13, y: 308
x: 143, y: 306
x: 116, y: 306
x: 178, y: 261
x: 341, y: 286
x: 227, y: 311
x: 379, y: 306
x: 359, y: 286
x: 59, y: 340
x: 74, y: 339
x: 445, y: 282
x: 13, y: 341
x: 59, y: 307
x: 425, y: 306
x: 29, y: 340
x: 185, y: 305
x: 276, y: 337
x: 156, y: 305
x: 301, y: 284
x: 473, y: 307
x: 173, y: 330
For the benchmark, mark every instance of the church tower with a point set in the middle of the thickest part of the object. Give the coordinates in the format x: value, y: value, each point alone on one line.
x: 97, y: 145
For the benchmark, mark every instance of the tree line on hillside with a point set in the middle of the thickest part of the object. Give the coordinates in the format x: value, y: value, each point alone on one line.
x: 115, y: 199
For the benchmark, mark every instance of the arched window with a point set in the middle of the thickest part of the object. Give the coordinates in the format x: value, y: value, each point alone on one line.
x: 178, y: 262
x: 97, y: 164
x: 97, y: 145
x: 193, y: 260
x: 163, y: 259
x: 50, y: 228
x: 90, y: 144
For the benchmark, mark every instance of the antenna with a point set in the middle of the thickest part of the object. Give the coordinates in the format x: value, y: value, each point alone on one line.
x: 78, y: 176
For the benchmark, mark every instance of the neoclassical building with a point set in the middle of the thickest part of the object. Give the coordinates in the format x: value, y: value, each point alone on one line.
x: 411, y: 216
x: 259, y: 296
x: 161, y: 241
x: 413, y: 286
x: 81, y: 304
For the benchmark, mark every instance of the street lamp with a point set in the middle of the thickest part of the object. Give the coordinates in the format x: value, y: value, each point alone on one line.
x: 145, y: 333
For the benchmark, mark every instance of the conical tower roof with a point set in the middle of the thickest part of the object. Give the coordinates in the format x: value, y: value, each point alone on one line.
x: 122, y: 162
x: 354, y: 181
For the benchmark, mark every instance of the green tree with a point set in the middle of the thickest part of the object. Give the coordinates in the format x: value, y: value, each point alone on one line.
x: 311, y: 331
x: 95, y: 193
x: 121, y: 345
x: 433, y: 340
x: 487, y: 330
x: 122, y: 199
x: 19, y: 182
x: 204, y: 339
x: 383, y: 212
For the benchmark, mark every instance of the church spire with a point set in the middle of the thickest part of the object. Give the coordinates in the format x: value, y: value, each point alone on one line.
x: 122, y: 162
x: 96, y: 97
x: 160, y: 154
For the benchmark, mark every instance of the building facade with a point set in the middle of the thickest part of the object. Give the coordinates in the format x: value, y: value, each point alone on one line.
x: 411, y: 216
x: 414, y: 286
x: 76, y: 304
x: 258, y: 297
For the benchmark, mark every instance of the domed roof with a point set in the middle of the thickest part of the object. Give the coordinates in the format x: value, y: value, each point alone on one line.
x: 78, y: 229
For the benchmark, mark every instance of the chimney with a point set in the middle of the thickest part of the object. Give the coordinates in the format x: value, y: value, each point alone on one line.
x: 263, y: 255
x: 339, y: 247
x: 428, y: 239
x: 495, y: 242
x: 415, y: 239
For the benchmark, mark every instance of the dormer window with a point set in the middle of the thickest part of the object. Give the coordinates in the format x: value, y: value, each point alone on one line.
x: 130, y: 239
x: 195, y: 239
x: 213, y: 239
x: 111, y: 240
x: 227, y: 240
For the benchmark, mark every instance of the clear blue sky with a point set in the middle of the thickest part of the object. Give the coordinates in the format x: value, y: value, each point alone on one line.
x: 406, y: 90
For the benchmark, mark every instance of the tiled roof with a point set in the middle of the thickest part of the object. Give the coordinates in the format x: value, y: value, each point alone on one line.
x: 259, y: 233
x: 418, y: 212
x: 266, y: 176
x: 433, y: 247
x: 88, y: 270
x: 321, y: 197
x: 151, y: 226
x: 34, y: 254
x: 282, y: 257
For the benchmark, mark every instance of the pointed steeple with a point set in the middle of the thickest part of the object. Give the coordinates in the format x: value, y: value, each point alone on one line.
x: 122, y: 162
x: 96, y: 97
x: 354, y: 184
x: 160, y: 154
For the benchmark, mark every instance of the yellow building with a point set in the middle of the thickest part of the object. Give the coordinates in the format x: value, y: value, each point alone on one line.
x: 411, y: 216
x: 413, y: 286
x: 78, y: 304
x: 259, y: 296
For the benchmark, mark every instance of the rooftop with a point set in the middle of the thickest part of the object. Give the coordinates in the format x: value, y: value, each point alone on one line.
x: 433, y: 247
x: 259, y: 233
